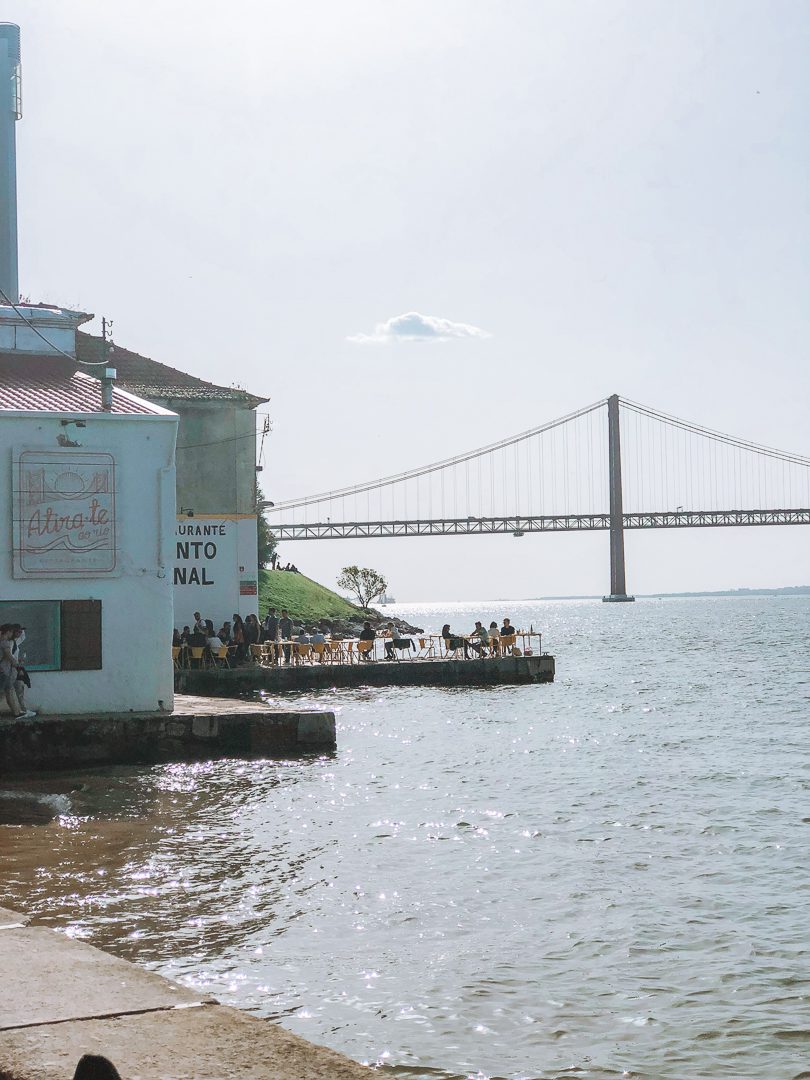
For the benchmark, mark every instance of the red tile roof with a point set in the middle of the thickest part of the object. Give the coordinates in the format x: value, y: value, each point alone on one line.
x: 41, y: 390
x: 151, y: 379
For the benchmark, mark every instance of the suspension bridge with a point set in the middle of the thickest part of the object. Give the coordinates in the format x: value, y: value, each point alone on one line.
x: 613, y: 465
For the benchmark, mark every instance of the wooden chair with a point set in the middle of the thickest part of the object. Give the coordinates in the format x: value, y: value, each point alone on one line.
x: 302, y: 651
x: 256, y: 653
x: 319, y: 651
x: 196, y: 655
x: 365, y: 650
x: 508, y: 643
x: 221, y: 658
x: 176, y: 656
x: 425, y: 648
x: 451, y: 654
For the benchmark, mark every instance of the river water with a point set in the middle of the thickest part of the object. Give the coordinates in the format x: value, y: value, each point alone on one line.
x: 607, y: 876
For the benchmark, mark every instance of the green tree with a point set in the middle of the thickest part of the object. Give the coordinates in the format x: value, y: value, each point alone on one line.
x: 363, y: 582
x: 267, y: 542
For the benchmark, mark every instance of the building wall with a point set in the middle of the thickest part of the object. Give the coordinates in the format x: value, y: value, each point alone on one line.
x: 216, y: 456
x: 136, y: 597
x: 216, y: 568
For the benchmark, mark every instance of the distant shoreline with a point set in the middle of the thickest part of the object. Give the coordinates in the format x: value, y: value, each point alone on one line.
x: 785, y: 590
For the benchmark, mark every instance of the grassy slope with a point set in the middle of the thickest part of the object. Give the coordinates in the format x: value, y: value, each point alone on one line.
x: 303, y: 597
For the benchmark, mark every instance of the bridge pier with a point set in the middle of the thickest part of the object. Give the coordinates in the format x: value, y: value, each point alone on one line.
x: 618, y: 588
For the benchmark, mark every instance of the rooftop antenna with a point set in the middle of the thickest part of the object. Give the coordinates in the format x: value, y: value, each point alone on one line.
x: 10, y: 113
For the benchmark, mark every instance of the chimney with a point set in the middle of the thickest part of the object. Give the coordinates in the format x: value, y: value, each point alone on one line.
x: 10, y: 113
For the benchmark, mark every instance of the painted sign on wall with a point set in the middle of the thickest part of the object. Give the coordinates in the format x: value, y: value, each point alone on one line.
x: 64, y: 514
x: 215, y: 567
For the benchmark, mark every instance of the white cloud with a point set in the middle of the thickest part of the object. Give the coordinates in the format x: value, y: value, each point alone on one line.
x: 415, y: 327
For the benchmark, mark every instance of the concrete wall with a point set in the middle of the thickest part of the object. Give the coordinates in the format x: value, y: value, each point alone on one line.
x: 137, y: 609
x: 216, y: 456
x: 216, y: 479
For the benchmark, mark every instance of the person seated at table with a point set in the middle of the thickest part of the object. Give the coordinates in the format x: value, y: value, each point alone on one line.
x: 507, y: 630
x: 390, y: 633
x: 365, y: 643
x: 176, y: 642
x: 453, y: 642
x: 213, y: 642
x: 185, y: 636
x: 317, y: 636
x: 303, y: 636
x: 481, y: 638
x: 224, y: 633
x: 494, y: 638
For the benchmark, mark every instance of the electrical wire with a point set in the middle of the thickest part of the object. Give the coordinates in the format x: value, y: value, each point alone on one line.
x: 50, y: 344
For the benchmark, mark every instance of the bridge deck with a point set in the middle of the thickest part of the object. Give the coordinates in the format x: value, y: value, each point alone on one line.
x: 478, y: 526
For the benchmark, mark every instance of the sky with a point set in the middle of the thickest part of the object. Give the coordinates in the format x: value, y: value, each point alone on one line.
x: 420, y: 226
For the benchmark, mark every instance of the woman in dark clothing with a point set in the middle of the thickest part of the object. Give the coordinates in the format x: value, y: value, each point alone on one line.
x: 252, y: 631
x: 452, y: 642
x: 238, y: 637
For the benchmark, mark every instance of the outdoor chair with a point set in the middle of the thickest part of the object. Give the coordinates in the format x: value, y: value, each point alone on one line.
x: 365, y: 650
x: 401, y: 645
x: 508, y: 643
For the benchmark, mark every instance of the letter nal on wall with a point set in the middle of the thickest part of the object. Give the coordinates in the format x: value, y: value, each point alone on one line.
x: 64, y: 514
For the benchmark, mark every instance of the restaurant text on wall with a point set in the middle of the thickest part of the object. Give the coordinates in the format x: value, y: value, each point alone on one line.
x: 64, y: 514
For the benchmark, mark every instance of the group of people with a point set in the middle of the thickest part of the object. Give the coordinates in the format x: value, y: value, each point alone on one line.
x: 278, y: 629
x: 275, y: 564
x: 242, y: 633
x: 483, y: 641
x: 14, y: 679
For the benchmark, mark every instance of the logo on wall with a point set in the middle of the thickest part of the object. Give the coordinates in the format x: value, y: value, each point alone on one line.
x: 64, y: 513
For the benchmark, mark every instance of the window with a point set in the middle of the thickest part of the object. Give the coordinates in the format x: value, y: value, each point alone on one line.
x: 60, y: 635
x: 81, y: 635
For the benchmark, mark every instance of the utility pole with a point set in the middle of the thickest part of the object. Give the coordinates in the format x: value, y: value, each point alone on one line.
x: 618, y: 588
x: 110, y: 374
x: 10, y: 113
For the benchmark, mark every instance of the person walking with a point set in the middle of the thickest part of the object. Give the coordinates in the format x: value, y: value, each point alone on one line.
x: 21, y: 681
x: 8, y: 673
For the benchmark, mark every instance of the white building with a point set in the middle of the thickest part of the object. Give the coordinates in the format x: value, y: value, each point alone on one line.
x: 88, y: 497
x: 216, y: 549
x: 87, y: 494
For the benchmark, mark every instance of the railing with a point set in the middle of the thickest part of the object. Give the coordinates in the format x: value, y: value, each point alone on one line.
x: 517, y: 526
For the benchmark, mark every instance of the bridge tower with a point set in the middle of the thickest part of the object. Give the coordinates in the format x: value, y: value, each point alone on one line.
x: 618, y: 588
